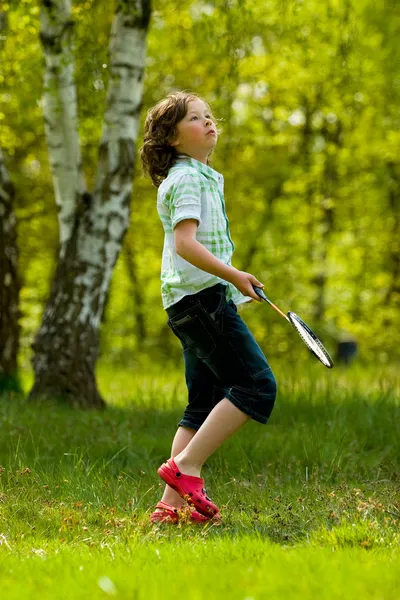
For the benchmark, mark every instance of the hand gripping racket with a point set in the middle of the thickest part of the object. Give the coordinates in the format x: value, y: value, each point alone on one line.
x: 308, y: 337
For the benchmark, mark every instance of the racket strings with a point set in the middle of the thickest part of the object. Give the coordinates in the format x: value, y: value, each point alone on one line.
x: 313, y: 343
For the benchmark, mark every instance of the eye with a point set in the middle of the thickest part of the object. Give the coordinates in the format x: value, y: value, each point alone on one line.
x: 193, y: 118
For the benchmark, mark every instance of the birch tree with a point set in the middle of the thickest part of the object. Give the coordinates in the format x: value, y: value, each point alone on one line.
x: 93, y: 223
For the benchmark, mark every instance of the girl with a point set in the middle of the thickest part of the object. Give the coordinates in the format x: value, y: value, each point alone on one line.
x: 228, y: 377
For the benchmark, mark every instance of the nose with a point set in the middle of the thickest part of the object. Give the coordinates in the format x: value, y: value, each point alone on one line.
x: 208, y: 122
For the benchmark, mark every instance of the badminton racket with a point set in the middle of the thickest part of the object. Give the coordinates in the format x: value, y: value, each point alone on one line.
x: 304, y: 331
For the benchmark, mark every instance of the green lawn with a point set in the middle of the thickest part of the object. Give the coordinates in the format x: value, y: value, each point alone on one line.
x: 310, y: 502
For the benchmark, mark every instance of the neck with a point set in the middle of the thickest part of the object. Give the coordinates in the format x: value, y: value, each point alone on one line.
x: 197, y: 156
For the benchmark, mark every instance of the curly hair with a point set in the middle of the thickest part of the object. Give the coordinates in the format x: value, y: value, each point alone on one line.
x: 156, y: 154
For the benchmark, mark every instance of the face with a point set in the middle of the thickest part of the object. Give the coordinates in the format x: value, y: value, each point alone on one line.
x: 196, y: 132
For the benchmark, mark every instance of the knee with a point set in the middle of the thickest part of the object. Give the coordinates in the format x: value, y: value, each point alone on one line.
x: 273, y: 385
x: 268, y: 388
x: 266, y: 381
x: 257, y: 399
x: 265, y: 396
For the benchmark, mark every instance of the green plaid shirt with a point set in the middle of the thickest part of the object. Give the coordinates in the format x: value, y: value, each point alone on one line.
x: 193, y: 190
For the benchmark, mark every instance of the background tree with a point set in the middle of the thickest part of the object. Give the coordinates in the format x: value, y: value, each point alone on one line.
x: 10, y: 284
x: 92, y: 225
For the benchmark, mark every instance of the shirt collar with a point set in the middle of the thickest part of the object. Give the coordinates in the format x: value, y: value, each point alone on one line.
x: 183, y: 159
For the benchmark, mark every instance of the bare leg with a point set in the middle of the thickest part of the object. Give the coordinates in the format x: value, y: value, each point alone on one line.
x: 181, y: 440
x: 222, y: 422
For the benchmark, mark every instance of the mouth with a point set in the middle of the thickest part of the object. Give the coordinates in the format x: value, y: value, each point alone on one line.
x: 211, y: 132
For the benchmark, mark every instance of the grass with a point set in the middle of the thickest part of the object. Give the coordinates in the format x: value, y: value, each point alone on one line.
x: 310, y: 502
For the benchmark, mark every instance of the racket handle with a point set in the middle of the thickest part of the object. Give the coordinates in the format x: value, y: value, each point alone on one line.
x: 260, y: 293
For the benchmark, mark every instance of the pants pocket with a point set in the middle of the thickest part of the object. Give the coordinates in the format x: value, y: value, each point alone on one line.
x: 232, y: 305
x: 194, y: 330
x: 213, y: 306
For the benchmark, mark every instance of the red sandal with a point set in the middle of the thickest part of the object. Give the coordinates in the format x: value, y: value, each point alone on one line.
x: 170, y: 514
x: 188, y: 487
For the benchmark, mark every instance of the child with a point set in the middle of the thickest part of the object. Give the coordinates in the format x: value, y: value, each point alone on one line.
x: 228, y: 377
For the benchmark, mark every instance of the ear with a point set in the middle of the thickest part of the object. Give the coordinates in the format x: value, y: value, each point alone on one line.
x: 174, y: 139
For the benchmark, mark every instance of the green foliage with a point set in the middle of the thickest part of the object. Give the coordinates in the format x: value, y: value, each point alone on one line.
x: 308, y: 97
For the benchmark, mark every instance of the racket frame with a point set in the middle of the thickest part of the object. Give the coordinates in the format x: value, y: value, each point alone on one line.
x: 293, y: 317
x: 289, y: 318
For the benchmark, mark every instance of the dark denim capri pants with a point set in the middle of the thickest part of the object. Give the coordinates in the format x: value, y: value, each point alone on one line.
x: 222, y: 358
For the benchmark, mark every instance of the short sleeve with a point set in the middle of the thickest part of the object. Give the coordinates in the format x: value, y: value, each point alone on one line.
x: 185, y: 199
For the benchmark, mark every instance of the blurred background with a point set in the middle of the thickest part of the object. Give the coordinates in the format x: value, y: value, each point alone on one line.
x: 307, y: 95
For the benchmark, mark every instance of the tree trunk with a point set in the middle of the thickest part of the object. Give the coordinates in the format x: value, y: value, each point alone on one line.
x: 137, y: 296
x: 263, y: 222
x: 332, y: 135
x: 9, y: 279
x: 92, y: 225
x: 9, y: 285
x: 305, y: 153
x: 393, y: 290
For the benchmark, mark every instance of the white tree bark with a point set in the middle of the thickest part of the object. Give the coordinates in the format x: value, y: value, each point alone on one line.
x: 92, y: 226
x: 113, y: 184
x: 60, y: 111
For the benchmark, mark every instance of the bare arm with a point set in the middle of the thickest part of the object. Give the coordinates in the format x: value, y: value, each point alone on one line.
x: 200, y: 257
x: 191, y: 250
